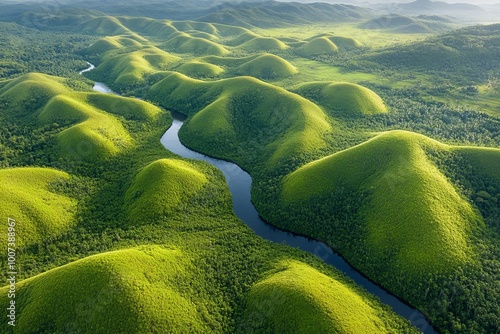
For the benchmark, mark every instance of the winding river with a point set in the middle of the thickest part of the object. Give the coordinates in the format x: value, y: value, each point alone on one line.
x: 240, y: 183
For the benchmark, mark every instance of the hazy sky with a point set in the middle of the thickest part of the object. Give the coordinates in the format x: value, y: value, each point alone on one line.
x: 475, y: 2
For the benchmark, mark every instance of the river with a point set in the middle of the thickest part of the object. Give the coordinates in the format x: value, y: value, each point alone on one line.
x: 240, y: 183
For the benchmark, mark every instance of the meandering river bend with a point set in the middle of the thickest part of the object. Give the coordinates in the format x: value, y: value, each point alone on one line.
x: 240, y: 183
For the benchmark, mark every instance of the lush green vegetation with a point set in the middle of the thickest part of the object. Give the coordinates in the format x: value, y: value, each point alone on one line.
x: 25, y: 50
x: 329, y: 160
x: 27, y: 195
x: 143, y: 230
x: 296, y: 298
x: 344, y: 99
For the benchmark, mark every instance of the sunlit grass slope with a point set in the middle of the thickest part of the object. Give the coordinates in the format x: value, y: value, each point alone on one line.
x: 343, y: 43
x: 96, y: 134
x: 33, y: 86
x: 160, y: 187
x: 267, y: 66
x: 415, y: 221
x: 261, y: 66
x: 90, y: 122
x: 136, y: 290
x: 184, y: 43
x: 242, y: 38
x: 299, y: 299
x: 103, y: 25
x: 111, y: 43
x: 318, y: 46
x: 130, y: 68
x: 26, y: 195
x: 243, y: 111
x: 344, y: 99
x: 263, y: 44
x: 200, y: 69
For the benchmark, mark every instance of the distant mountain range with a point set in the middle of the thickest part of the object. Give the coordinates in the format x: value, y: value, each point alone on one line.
x: 264, y: 14
x: 272, y: 13
x: 428, y: 7
x: 259, y: 13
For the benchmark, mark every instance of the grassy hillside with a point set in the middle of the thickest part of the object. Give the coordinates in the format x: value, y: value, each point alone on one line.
x: 414, y: 221
x: 344, y: 99
x: 32, y: 86
x: 243, y: 112
x: 136, y: 290
x: 344, y: 43
x: 111, y: 43
x: 161, y: 187
x: 200, y: 69
x: 129, y: 68
x: 296, y: 298
x: 261, y: 66
x: 195, y: 45
x: 89, y: 125
x: 263, y: 44
x: 318, y: 46
x: 96, y: 134
x: 242, y: 38
x: 267, y: 66
x: 28, y: 197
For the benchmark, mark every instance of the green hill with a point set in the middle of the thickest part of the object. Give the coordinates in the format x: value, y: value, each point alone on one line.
x: 344, y: 99
x: 27, y: 196
x: 96, y: 134
x: 343, y: 43
x: 161, y: 187
x: 297, y: 298
x: 263, y: 44
x: 104, y: 25
x: 318, y: 46
x: 32, y: 86
x: 195, y: 25
x: 125, y: 69
x: 194, y: 45
x: 346, y: 43
x: 111, y: 43
x: 228, y: 115
x: 267, y: 66
x: 88, y: 129
x: 242, y: 38
x: 199, y: 69
x: 136, y: 290
x: 414, y: 222
x: 148, y: 27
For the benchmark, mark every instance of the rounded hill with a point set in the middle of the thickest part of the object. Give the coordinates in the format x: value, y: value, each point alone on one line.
x: 263, y: 44
x: 26, y: 196
x: 267, y: 66
x: 136, y: 290
x: 318, y: 46
x: 413, y: 218
x: 160, y: 187
x: 300, y: 299
x: 198, y: 69
x: 344, y: 99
